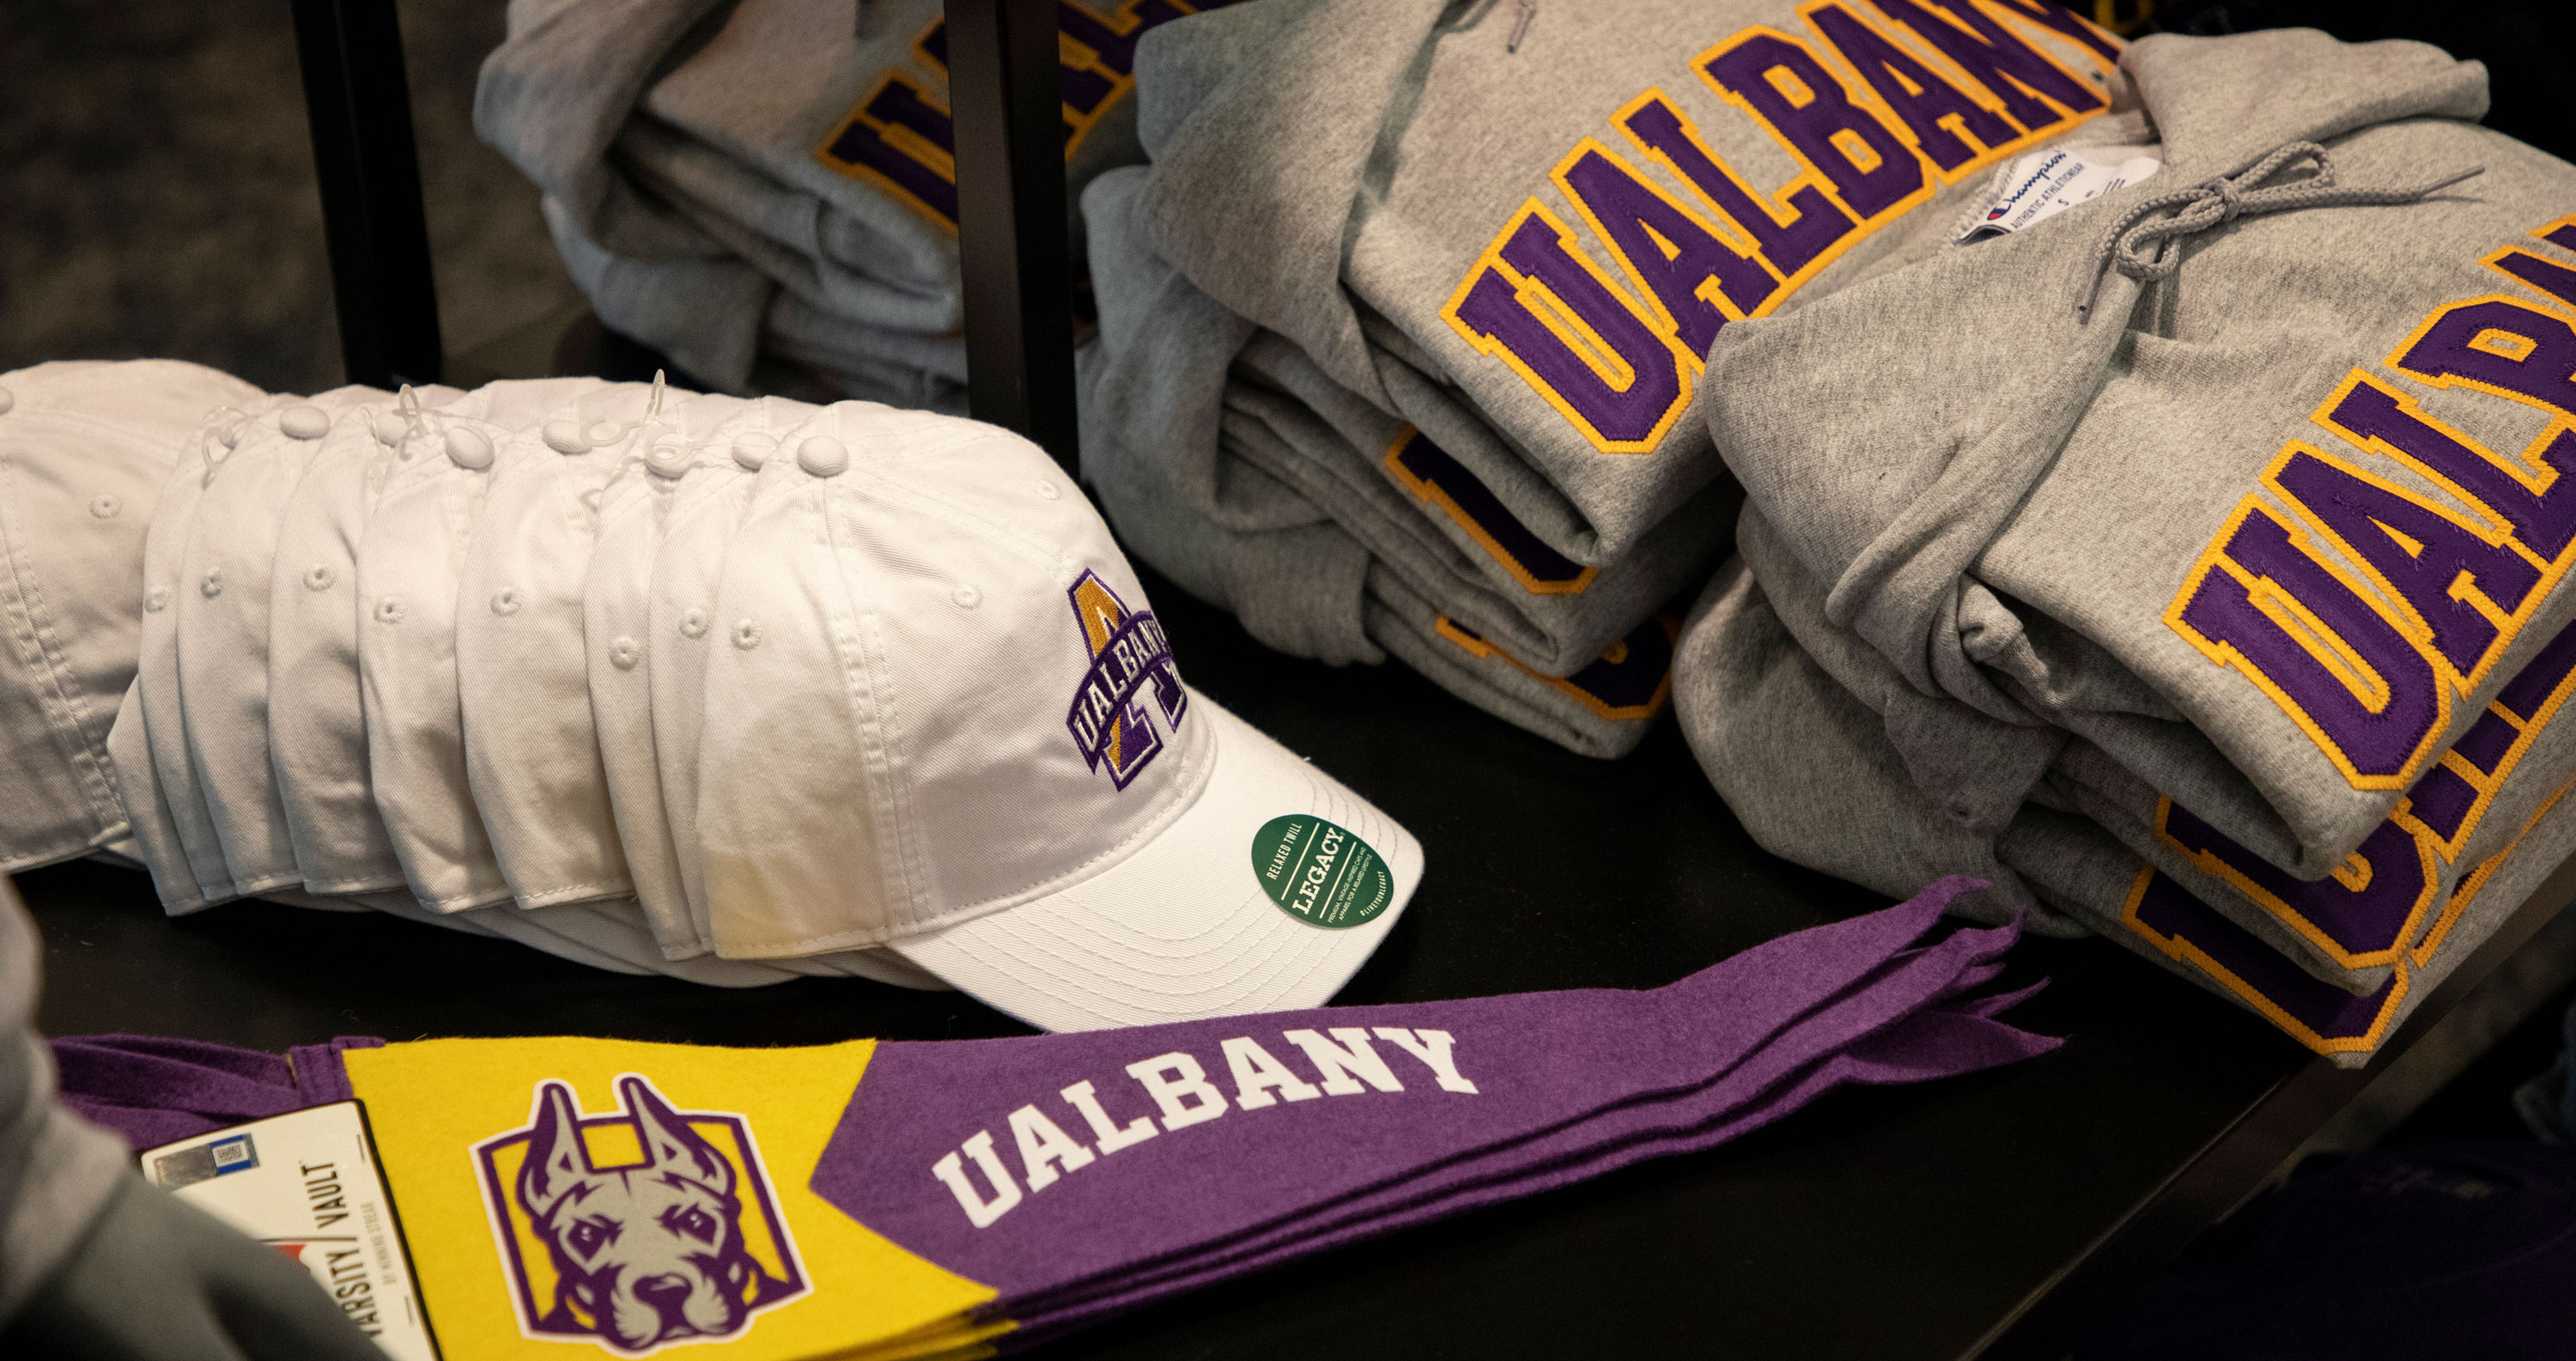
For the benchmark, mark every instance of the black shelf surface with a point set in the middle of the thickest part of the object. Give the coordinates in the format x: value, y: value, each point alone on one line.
x: 1878, y: 1224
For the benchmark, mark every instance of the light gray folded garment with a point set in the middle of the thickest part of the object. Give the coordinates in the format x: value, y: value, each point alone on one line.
x: 1810, y: 768
x: 715, y: 317
x: 690, y: 152
x: 1267, y: 441
x: 2271, y: 537
x: 1518, y: 228
x: 1306, y: 586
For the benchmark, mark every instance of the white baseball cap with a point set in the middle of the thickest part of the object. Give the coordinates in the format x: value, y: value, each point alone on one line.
x: 220, y: 618
x: 157, y: 662
x: 940, y: 715
x: 151, y: 838
x: 637, y: 510
x: 531, y: 752
x: 686, y: 569
x: 85, y: 449
x: 670, y: 516
x: 317, y: 723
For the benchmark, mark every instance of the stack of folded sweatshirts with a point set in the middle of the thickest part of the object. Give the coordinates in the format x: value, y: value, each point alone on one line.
x: 727, y: 689
x: 904, y: 1199
x: 1401, y: 326
x: 775, y: 177
x: 2190, y: 561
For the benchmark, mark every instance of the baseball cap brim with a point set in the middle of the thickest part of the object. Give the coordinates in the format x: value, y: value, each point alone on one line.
x: 1184, y: 929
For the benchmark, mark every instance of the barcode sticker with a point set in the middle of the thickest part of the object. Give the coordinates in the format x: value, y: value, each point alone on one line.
x: 308, y: 1185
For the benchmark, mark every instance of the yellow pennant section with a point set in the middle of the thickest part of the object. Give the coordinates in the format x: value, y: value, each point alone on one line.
x: 567, y: 1198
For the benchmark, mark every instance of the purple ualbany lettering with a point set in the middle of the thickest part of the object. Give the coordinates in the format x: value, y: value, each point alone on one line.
x: 865, y: 143
x: 2540, y: 369
x: 2545, y: 276
x: 2423, y: 573
x: 1630, y: 216
x: 2443, y: 800
x: 2377, y: 738
x: 1633, y: 682
x: 2545, y: 521
x: 2370, y: 921
x: 1429, y: 465
x: 1108, y: 708
x: 1912, y: 91
x: 1815, y: 222
x: 2527, y: 695
x: 1990, y: 54
x: 1627, y: 415
x: 1743, y: 73
x: 2166, y: 913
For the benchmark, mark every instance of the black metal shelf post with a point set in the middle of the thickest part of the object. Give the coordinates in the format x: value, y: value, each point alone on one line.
x: 358, y: 102
x: 1011, y: 216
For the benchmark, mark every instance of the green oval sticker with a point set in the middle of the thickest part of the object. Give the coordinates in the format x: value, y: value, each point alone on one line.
x: 1319, y: 873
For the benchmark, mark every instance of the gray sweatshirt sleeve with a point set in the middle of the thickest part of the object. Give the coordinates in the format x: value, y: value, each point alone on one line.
x: 56, y: 1169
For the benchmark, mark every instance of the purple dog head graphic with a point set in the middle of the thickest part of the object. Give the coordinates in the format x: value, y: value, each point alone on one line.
x: 641, y: 1253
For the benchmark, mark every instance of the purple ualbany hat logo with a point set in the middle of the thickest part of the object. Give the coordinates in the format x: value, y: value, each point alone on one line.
x: 1128, y: 653
x: 639, y: 1229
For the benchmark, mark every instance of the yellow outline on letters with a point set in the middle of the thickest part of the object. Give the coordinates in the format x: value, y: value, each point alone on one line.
x: 2308, y: 631
x: 2178, y: 947
x: 1433, y: 493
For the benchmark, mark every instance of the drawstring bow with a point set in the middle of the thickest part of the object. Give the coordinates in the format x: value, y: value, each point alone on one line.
x: 2150, y: 251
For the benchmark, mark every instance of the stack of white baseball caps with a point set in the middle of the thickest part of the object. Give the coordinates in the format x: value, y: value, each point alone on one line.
x: 776, y: 179
x: 1401, y: 331
x: 725, y: 689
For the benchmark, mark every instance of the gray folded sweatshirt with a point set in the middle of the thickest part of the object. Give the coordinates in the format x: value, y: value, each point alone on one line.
x: 1806, y: 759
x: 1518, y: 228
x: 700, y: 160
x: 2273, y: 534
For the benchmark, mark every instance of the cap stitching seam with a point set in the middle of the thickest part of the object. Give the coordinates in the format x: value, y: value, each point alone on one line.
x: 36, y: 632
x: 880, y: 724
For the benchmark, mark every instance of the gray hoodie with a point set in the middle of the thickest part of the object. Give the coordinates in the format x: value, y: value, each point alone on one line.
x: 717, y: 172
x: 1517, y: 229
x: 2145, y: 528
x: 1806, y: 762
x: 1217, y: 471
x: 2239, y: 578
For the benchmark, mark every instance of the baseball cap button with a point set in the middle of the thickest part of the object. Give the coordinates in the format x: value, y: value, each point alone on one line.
x: 823, y: 456
x: 506, y: 601
x: 319, y: 577
x: 469, y: 449
x: 752, y: 450
x: 156, y: 600
x: 104, y: 506
x: 668, y: 457
x: 1048, y: 490
x: 746, y: 634
x: 693, y: 622
x: 564, y: 437
x: 966, y: 596
x: 624, y: 653
x: 303, y: 422
x: 388, y: 428
x: 212, y: 585
x: 389, y: 610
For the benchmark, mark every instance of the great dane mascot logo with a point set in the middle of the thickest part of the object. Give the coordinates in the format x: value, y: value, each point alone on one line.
x: 637, y: 1229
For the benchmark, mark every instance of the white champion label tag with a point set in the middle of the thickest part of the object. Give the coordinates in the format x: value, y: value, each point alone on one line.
x: 308, y: 1186
x: 2041, y: 185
